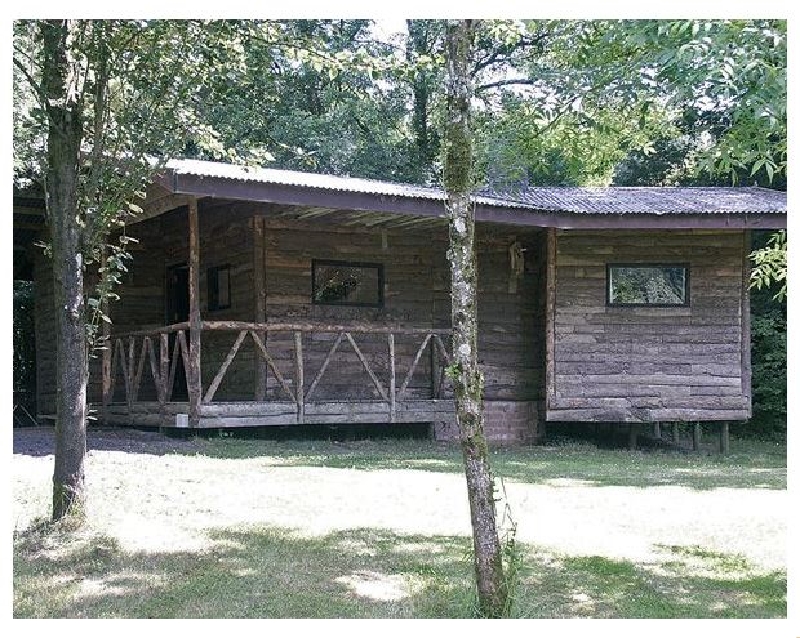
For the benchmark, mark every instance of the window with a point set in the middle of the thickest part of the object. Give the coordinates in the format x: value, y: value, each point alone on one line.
x: 346, y: 283
x: 219, y: 287
x: 647, y: 285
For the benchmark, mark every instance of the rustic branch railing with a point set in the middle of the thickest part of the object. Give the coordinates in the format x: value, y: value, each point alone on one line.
x: 163, y: 368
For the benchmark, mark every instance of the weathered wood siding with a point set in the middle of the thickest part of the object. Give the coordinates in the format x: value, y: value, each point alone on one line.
x: 647, y: 364
x: 270, y: 259
x: 226, y: 238
x: 511, y: 313
x: 413, y: 295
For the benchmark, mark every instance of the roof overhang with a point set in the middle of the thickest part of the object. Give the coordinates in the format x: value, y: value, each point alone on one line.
x: 182, y: 185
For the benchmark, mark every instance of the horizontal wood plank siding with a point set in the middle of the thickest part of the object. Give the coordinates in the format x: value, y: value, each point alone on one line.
x: 647, y: 364
x: 511, y: 309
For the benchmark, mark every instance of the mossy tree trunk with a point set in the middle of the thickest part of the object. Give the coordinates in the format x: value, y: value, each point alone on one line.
x: 467, y: 378
x: 65, y: 127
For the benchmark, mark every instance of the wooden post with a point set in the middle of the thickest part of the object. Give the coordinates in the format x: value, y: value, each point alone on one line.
x: 696, y: 436
x: 106, y: 370
x: 724, y: 438
x: 131, y: 369
x: 260, y: 293
x: 657, y: 430
x: 163, y: 369
x: 550, y: 321
x: 676, y: 433
x: 633, y: 433
x: 392, y: 379
x: 298, y: 375
x: 434, y: 376
x: 194, y: 381
x: 747, y: 371
x: 105, y: 367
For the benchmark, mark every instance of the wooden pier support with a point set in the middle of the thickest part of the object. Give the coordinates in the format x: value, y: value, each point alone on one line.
x: 696, y: 436
x: 392, y: 379
x: 298, y: 375
x: 633, y: 434
x: 724, y: 438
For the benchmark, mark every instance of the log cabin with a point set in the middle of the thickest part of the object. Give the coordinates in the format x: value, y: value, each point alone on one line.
x: 261, y: 297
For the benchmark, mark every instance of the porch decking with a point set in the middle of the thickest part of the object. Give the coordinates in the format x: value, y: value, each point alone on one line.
x: 126, y: 356
x: 278, y: 413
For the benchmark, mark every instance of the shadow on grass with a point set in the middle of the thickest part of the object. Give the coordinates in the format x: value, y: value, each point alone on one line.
x: 40, y: 441
x: 261, y: 573
x: 365, y: 573
x: 599, y: 587
x: 749, y: 466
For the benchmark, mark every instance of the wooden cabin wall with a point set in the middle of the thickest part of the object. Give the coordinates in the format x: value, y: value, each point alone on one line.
x: 414, y: 295
x: 511, y: 337
x: 226, y: 239
x: 162, y: 243
x: 417, y: 293
x: 648, y: 364
x: 511, y: 314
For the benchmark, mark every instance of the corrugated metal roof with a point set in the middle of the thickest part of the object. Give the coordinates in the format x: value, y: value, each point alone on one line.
x: 612, y: 200
x: 666, y: 199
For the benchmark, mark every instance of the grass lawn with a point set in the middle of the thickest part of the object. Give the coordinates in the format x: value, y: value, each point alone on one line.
x: 231, y: 528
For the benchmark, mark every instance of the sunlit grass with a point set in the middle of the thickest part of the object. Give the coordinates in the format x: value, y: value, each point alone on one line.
x: 264, y: 529
x: 750, y: 464
x: 273, y: 573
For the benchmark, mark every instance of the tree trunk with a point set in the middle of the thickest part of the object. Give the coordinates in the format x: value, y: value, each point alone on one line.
x: 63, y: 147
x: 467, y: 379
x: 420, y: 42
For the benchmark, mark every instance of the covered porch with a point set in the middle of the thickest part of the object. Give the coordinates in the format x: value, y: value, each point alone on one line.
x: 225, y: 319
x: 153, y: 377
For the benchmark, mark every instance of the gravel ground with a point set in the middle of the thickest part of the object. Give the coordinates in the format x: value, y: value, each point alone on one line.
x: 154, y: 500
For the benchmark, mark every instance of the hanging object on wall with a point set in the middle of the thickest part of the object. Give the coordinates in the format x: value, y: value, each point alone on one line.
x: 516, y: 258
x: 516, y: 255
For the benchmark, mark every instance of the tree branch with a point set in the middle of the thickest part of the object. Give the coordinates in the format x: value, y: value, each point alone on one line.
x: 37, y: 88
x: 513, y: 82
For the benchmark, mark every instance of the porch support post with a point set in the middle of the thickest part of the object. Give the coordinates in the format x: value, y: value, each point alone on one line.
x: 260, y: 293
x: 131, y: 370
x: 298, y: 375
x: 392, y: 379
x: 194, y: 379
x: 550, y: 322
x: 724, y: 438
x: 108, y: 350
x: 657, y: 430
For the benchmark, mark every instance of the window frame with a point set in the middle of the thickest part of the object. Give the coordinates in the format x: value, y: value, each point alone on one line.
x: 617, y: 304
x: 212, y: 286
x: 347, y: 264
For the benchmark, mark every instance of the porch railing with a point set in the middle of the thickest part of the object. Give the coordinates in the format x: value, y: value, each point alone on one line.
x: 127, y: 353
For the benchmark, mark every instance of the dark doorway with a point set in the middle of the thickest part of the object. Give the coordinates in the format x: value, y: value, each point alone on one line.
x: 177, y: 312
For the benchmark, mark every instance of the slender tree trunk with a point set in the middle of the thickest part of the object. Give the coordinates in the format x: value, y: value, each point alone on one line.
x: 424, y: 151
x: 467, y: 378
x: 63, y: 147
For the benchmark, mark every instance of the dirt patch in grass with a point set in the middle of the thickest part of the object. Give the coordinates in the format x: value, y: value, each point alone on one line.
x: 41, y: 441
